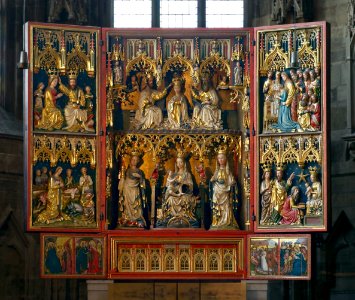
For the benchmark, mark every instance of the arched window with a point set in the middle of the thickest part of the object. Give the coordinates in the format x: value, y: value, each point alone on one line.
x: 125, y: 262
x: 178, y: 13
x: 184, y: 263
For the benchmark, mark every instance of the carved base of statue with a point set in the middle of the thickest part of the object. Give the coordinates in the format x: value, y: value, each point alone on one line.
x: 178, y: 222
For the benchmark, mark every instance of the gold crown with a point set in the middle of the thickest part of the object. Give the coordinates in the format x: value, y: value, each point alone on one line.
x: 52, y: 73
x: 178, y: 81
x: 136, y: 151
x: 279, y: 167
x: 149, y: 74
x: 222, y: 149
x: 72, y: 74
x: 181, y: 153
x: 266, y: 168
x: 313, y: 171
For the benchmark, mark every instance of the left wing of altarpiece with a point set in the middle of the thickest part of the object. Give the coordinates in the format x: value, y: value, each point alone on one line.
x: 62, y: 104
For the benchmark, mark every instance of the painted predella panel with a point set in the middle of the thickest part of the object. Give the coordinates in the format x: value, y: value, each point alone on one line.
x: 80, y: 256
x: 279, y: 257
x: 62, y: 117
x: 183, y: 257
x: 178, y: 114
x: 291, y: 128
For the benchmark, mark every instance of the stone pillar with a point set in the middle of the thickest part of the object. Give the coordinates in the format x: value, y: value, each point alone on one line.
x: 98, y: 289
x: 257, y: 289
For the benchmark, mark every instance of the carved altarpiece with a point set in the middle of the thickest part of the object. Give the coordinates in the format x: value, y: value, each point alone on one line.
x: 158, y: 140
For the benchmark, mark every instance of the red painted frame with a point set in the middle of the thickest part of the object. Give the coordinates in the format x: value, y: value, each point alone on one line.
x: 324, y: 133
x: 173, y: 237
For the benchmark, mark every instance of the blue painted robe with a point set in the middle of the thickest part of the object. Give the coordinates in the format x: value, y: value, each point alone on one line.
x: 285, y: 122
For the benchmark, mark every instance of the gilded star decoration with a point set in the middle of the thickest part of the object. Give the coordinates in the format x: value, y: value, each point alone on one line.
x: 302, y: 177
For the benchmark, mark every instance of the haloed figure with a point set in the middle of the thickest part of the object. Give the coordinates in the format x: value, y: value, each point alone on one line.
x: 132, y: 198
x: 223, y: 194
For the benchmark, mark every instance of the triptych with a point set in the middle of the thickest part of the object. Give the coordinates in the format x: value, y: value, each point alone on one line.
x: 165, y: 153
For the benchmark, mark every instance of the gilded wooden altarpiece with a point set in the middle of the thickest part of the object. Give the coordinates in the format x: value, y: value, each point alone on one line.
x: 165, y: 147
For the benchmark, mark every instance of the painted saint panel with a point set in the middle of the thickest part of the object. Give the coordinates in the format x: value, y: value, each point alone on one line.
x: 279, y: 257
x: 78, y: 256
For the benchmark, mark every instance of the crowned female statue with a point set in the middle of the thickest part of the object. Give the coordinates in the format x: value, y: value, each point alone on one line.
x: 179, y: 203
x: 52, y: 117
x: 206, y: 115
x: 314, y: 193
x: 223, y: 193
x: 132, y: 196
x: 177, y: 106
x: 148, y: 115
x: 52, y: 213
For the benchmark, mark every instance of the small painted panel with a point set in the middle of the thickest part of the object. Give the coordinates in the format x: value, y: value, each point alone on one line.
x: 81, y: 256
x: 279, y: 257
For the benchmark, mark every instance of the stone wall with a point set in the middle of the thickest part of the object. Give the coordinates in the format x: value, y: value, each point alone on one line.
x: 19, y: 251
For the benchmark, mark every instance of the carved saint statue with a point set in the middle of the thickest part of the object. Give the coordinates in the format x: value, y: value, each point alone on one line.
x: 206, y: 115
x: 279, y: 188
x: 290, y: 214
x: 177, y: 106
x: 148, y: 115
x: 179, y: 202
x: 87, y: 195
x: 52, y: 117
x: 286, y: 98
x: 38, y: 106
x: 117, y: 71
x: 223, y: 194
x: 75, y: 112
x: 265, y: 192
x: 52, y: 212
x: 238, y: 74
x: 132, y: 196
x: 314, y: 194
